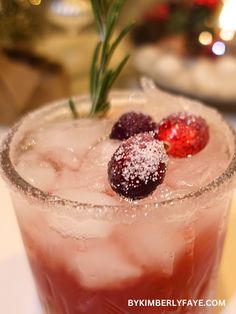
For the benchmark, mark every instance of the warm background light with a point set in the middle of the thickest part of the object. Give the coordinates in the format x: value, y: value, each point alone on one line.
x: 35, y: 2
x: 227, y: 18
x: 205, y: 38
x: 227, y: 35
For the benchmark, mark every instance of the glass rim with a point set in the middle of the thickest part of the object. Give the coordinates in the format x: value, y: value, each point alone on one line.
x: 13, y: 178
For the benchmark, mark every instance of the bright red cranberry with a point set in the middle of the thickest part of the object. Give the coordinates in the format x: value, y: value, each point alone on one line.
x: 183, y: 133
x: 138, y: 166
x: 132, y: 123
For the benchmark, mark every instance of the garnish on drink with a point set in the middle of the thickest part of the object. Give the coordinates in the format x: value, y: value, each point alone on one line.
x: 184, y: 134
x: 138, y: 166
x: 102, y: 77
x: 132, y: 123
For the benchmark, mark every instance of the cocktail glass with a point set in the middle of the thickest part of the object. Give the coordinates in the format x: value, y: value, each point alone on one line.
x: 96, y: 258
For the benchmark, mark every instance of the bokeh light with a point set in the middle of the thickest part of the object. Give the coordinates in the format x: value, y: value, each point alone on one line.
x: 35, y: 2
x: 218, y: 48
x: 205, y: 38
x: 227, y: 17
x: 227, y: 35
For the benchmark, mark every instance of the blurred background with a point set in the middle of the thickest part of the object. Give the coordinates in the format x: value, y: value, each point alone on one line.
x: 187, y: 47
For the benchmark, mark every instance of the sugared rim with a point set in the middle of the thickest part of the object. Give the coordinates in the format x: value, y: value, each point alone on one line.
x: 23, y: 187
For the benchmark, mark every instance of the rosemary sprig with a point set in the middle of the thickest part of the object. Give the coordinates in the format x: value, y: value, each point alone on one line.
x: 73, y: 109
x: 102, y: 77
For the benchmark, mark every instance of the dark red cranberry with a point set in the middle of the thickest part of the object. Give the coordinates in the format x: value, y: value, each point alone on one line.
x: 138, y: 166
x: 183, y: 133
x: 132, y: 123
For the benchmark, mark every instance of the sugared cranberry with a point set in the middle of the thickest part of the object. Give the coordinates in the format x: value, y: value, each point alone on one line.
x: 132, y: 123
x: 184, y: 134
x: 138, y: 166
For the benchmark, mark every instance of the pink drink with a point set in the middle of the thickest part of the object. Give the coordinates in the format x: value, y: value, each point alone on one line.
x: 90, y: 251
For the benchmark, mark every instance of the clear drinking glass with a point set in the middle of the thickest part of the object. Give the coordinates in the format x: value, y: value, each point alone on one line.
x: 179, y: 241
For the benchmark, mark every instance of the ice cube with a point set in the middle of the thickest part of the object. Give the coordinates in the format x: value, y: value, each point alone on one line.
x: 104, y: 265
x: 67, y: 179
x: 83, y: 228
x: 61, y: 158
x: 93, y: 171
x: 185, y: 174
x: 79, y: 229
x: 68, y: 142
x: 36, y: 171
x: 152, y: 245
x: 162, y: 193
x: 193, y: 172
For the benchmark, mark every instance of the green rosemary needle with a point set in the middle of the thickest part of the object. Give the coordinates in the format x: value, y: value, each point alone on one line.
x: 102, y: 77
x: 73, y: 109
